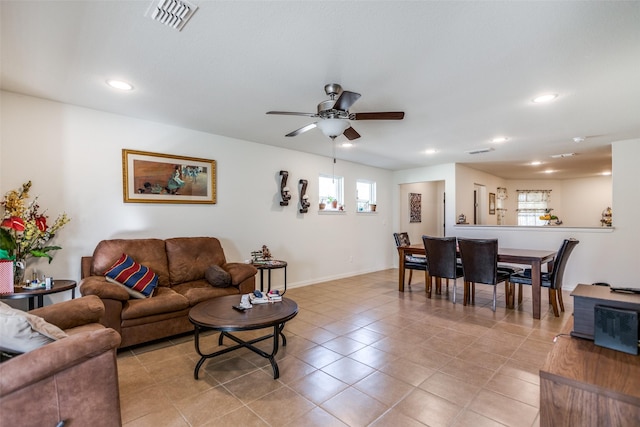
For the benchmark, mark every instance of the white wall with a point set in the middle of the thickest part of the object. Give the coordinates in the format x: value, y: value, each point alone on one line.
x: 466, y: 181
x: 583, y: 200
x: 73, y: 156
x: 431, y: 210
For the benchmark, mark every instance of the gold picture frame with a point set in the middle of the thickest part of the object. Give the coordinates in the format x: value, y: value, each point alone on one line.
x: 165, y: 178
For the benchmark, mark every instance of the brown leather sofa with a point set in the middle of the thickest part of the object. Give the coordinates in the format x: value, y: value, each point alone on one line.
x: 74, y: 379
x: 180, y: 264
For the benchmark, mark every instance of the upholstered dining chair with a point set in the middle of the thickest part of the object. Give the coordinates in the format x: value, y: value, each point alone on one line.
x: 551, y: 280
x: 442, y: 261
x: 411, y: 262
x: 480, y: 265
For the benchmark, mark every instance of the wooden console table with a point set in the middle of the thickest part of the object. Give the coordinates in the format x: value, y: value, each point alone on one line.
x: 582, y: 384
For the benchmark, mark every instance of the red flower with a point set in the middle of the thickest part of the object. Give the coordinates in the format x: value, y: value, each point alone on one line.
x: 41, y: 223
x: 14, y: 222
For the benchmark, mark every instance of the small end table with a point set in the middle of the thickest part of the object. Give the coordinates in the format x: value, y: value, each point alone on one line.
x: 59, y: 285
x: 270, y: 265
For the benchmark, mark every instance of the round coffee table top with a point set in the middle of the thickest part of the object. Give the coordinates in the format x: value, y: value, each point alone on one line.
x: 219, y: 314
x: 270, y: 265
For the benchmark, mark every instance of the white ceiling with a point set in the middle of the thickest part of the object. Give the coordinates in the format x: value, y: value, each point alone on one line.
x: 463, y: 72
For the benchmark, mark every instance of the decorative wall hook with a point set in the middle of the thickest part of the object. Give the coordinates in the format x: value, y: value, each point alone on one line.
x: 284, y: 190
x: 304, y: 199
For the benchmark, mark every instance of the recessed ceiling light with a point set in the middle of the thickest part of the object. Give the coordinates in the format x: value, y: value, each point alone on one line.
x: 499, y: 139
x: 535, y: 163
x: 430, y: 151
x: 347, y: 144
x: 545, y: 98
x: 119, y: 84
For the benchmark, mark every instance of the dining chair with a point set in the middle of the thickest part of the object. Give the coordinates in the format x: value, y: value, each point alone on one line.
x: 551, y: 280
x: 411, y: 262
x: 442, y: 258
x: 480, y: 265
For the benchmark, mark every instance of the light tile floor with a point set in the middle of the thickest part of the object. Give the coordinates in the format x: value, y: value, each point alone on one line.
x: 359, y: 353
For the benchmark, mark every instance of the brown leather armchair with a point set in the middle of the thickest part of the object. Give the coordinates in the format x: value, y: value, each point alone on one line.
x: 73, y: 380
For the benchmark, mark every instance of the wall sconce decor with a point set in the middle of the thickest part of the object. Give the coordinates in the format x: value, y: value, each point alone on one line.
x: 284, y: 190
x: 304, y: 198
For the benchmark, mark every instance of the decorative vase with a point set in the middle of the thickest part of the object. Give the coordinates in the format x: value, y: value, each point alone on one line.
x: 373, y: 208
x: 19, y: 267
x: 334, y: 204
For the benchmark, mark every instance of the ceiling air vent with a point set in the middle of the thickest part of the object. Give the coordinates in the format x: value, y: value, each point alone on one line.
x: 173, y: 13
x: 480, y: 150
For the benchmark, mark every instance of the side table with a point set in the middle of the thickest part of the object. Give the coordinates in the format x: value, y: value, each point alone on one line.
x: 270, y: 265
x: 59, y: 285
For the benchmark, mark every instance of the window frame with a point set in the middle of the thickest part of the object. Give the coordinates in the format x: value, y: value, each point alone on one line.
x: 364, y: 204
x: 530, y: 215
x: 337, y: 191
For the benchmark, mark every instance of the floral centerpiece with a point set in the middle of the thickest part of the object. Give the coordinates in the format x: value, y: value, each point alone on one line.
x: 24, y: 231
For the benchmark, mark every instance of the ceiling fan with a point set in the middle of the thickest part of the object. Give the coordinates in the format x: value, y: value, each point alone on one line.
x: 334, y: 114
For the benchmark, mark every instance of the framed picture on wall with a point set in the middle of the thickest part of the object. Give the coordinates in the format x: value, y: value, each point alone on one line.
x: 492, y: 203
x: 165, y: 178
x: 415, y: 207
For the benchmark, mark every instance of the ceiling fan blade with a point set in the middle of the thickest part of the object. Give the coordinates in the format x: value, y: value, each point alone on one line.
x: 292, y: 113
x: 389, y: 115
x: 351, y: 134
x: 346, y: 100
x: 302, y: 129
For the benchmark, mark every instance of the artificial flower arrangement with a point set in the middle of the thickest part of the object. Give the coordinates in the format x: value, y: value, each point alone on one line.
x: 24, y: 231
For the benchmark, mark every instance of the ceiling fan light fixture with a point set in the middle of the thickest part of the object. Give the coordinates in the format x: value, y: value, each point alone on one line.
x: 333, y: 127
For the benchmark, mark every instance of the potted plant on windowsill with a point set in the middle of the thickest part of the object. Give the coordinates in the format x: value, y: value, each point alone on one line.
x: 322, y: 204
x: 333, y: 202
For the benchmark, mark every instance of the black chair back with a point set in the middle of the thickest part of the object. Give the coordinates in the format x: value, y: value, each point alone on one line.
x: 479, y: 260
x: 560, y: 262
x: 402, y: 239
x: 441, y: 256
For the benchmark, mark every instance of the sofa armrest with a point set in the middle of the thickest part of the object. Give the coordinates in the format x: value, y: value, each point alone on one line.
x: 98, y: 285
x: 72, y: 313
x: 239, y: 271
x: 27, y: 369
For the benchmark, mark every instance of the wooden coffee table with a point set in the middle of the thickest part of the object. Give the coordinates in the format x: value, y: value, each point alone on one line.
x: 218, y: 314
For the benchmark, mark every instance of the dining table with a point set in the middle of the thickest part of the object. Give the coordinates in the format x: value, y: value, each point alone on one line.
x: 534, y: 258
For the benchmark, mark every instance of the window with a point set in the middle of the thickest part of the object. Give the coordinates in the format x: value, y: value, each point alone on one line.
x: 365, y: 195
x: 531, y: 205
x: 331, y: 188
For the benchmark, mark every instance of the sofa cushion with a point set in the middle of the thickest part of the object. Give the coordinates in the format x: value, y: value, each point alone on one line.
x: 139, y: 280
x: 21, y: 332
x: 166, y: 300
x: 189, y: 257
x: 216, y: 276
x: 149, y: 252
x: 200, y: 290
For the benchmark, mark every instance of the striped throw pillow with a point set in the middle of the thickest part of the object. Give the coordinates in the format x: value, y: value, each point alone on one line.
x: 138, y: 280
